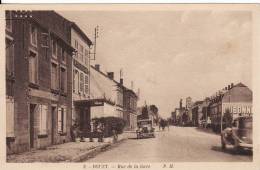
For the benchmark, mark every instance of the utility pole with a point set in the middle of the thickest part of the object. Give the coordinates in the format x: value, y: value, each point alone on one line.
x: 94, y: 54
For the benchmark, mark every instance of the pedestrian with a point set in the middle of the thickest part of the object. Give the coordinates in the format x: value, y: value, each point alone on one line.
x: 168, y: 125
x: 99, y: 131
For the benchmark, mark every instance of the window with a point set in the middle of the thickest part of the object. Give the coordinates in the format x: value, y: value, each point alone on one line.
x: 81, y: 85
x: 54, y: 76
x: 45, y: 40
x: 63, y: 80
x: 63, y: 56
x: 9, y: 117
x: 81, y: 52
x: 62, y: 120
x: 86, y: 84
x: 76, y: 81
x: 43, y: 110
x: 54, y: 48
x: 8, y: 21
x: 33, y: 67
x: 86, y: 56
x: 33, y: 35
x: 76, y: 46
x: 9, y: 57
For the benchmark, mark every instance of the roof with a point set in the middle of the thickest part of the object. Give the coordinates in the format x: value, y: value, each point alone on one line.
x: 238, y: 93
x: 125, y: 88
x: 82, y: 34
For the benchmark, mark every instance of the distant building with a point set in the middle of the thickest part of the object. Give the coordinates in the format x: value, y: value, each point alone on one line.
x: 196, y: 112
x: 236, y: 99
x: 130, y: 99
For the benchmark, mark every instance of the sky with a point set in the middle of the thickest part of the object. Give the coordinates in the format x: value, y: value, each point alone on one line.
x: 171, y: 55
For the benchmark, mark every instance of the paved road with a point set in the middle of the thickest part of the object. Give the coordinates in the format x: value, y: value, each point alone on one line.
x: 179, y: 144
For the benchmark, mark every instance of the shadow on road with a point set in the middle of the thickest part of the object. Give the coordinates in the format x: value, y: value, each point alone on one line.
x: 232, y: 151
x: 134, y: 138
x: 205, y: 130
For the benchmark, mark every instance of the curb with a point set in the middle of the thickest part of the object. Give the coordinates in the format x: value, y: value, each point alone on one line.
x: 91, y: 153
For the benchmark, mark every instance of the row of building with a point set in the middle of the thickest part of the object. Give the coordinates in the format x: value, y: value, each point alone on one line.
x: 51, y: 84
x: 234, y: 99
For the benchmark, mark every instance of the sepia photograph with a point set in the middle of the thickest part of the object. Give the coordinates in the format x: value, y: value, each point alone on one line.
x: 115, y: 85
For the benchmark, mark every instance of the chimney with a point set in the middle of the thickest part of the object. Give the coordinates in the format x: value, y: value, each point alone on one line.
x: 121, y: 81
x: 97, y: 67
x: 110, y: 75
x: 232, y: 85
x: 225, y: 88
x: 228, y: 87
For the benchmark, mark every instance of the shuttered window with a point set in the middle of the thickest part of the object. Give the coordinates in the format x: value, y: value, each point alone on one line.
x: 62, y: 120
x: 43, y: 110
x: 9, y: 117
x: 81, y: 85
x: 32, y: 67
x: 86, y: 84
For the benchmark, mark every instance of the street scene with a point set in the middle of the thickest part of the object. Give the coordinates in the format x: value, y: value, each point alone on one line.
x: 128, y: 86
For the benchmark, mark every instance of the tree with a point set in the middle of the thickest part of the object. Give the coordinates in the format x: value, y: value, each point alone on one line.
x: 144, y: 114
x: 154, y: 109
x: 228, y: 118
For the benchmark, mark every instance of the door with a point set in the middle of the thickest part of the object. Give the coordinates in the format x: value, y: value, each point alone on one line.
x: 32, y: 112
x: 53, y: 120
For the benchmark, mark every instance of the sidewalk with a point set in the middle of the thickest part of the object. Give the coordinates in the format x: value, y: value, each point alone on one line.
x: 67, y: 152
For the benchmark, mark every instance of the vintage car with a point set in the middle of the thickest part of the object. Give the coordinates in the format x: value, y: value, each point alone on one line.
x: 144, y: 129
x: 240, y: 135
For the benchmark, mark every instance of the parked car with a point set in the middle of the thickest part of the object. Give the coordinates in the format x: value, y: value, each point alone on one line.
x: 145, y: 129
x: 240, y: 135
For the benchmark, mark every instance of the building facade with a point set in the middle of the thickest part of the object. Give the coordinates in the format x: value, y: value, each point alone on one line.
x: 235, y: 99
x: 38, y: 83
x: 106, y: 94
x: 80, y: 66
x: 130, y: 108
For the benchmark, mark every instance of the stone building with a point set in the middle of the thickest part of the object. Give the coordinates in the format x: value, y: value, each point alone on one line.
x: 106, y: 94
x: 38, y: 80
x: 81, y: 64
x: 235, y: 99
x: 130, y: 99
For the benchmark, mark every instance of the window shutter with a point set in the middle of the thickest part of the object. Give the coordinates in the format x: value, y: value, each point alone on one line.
x: 9, y: 118
x: 59, y: 120
x: 64, y: 119
x: 43, y: 122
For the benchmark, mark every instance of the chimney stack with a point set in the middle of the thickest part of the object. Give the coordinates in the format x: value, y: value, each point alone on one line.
x: 110, y: 75
x: 121, y: 81
x: 97, y: 67
x: 228, y: 87
x: 232, y: 85
x: 225, y: 88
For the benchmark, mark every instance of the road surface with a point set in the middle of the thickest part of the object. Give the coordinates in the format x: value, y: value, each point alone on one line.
x: 179, y: 144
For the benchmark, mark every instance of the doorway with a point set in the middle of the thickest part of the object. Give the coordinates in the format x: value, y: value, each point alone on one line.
x: 32, y: 111
x: 53, y: 120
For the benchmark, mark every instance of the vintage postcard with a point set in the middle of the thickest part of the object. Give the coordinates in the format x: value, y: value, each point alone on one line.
x: 148, y: 86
